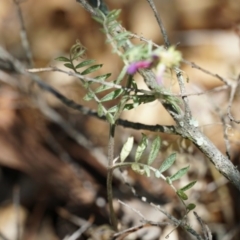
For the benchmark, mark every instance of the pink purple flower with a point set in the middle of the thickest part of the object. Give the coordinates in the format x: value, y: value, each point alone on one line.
x: 135, y: 66
x: 159, y: 73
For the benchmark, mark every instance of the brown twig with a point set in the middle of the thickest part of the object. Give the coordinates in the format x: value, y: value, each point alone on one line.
x: 88, y: 7
x: 187, y: 115
x: 123, y: 234
x: 16, y: 67
x: 77, y: 234
x: 206, y: 231
x: 23, y: 35
x: 160, y: 23
x: 178, y: 223
x: 111, y: 143
x: 232, y: 94
x: 194, y: 65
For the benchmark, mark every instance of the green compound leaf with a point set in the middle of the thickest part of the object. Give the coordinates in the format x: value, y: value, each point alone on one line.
x: 110, y: 118
x: 112, y: 25
x: 137, y: 100
x: 77, y: 50
x: 137, y: 53
x: 69, y: 65
x: 141, y: 147
x: 182, y: 195
x: 188, y: 186
x: 112, y: 95
x: 147, y: 170
x: 127, y: 148
x: 91, y: 69
x: 121, y: 75
x: 191, y: 206
x: 121, y: 43
x: 179, y: 174
x: 62, y: 59
x: 98, y: 19
x: 102, y: 88
x: 113, y: 109
x: 100, y: 110
x: 167, y: 163
x: 124, y: 36
x: 146, y: 99
x: 103, y: 77
x: 89, y: 96
x: 113, y: 15
x: 120, y: 106
x: 78, y: 54
x: 128, y: 106
x: 154, y: 150
x: 85, y: 63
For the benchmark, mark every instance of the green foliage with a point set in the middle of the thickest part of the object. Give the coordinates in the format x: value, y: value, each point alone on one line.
x: 179, y: 174
x: 146, y: 168
x: 100, y: 110
x: 91, y: 69
x: 62, y: 59
x: 167, y: 163
x: 141, y: 147
x: 191, y: 206
x: 77, y: 51
x: 138, y: 100
x: 129, y: 96
x: 127, y: 99
x: 121, y: 44
x: 182, y: 195
x: 112, y: 95
x: 188, y: 186
x: 127, y: 147
x: 84, y: 63
x: 154, y: 150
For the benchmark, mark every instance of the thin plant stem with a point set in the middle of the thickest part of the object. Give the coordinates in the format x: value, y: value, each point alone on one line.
x: 113, y: 218
x: 159, y: 21
x: 23, y: 35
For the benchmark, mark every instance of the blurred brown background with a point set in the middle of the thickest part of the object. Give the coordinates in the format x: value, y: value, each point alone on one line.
x: 48, y: 173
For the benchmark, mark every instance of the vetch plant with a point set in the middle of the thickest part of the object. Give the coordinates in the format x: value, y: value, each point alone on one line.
x: 129, y: 96
x: 152, y: 63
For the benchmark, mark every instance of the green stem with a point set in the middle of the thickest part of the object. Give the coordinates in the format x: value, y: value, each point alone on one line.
x: 113, y: 218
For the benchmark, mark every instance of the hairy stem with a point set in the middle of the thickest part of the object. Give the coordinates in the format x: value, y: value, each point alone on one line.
x: 113, y: 218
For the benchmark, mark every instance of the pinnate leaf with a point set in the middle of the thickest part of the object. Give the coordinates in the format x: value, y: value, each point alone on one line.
x: 167, y: 163
x: 179, y: 174
x: 85, y: 63
x: 154, y: 150
x: 91, y: 69
x: 182, y: 195
x: 100, y: 110
x: 89, y: 96
x: 191, y: 206
x: 62, y: 59
x: 69, y: 65
x: 110, y: 118
x: 127, y: 147
x: 112, y: 95
x: 141, y: 147
x: 188, y: 186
